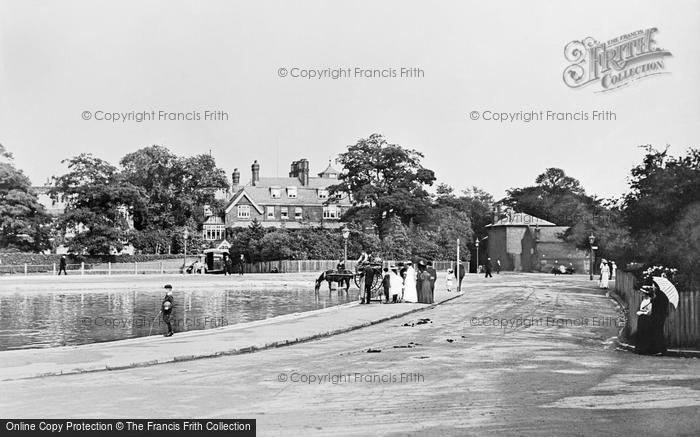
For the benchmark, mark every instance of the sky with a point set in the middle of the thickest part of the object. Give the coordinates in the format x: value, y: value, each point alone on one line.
x: 61, y: 59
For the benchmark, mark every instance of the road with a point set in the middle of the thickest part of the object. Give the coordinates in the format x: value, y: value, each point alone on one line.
x: 549, y: 366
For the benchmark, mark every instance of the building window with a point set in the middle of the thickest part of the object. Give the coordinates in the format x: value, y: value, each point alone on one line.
x: 275, y: 193
x: 212, y: 233
x: 331, y: 212
x: 243, y: 211
x: 284, y: 213
x: 292, y: 192
x: 297, y: 213
x: 270, y: 212
x: 323, y: 194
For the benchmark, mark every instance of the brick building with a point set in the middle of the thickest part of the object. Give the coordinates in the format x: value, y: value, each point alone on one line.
x: 530, y: 244
x: 296, y: 201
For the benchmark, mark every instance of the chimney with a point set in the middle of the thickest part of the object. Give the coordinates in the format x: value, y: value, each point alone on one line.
x: 304, y: 172
x: 256, y: 172
x: 293, y: 172
x: 235, y: 179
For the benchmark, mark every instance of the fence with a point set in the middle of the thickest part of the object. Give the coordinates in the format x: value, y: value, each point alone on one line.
x: 175, y: 266
x: 682, y: 326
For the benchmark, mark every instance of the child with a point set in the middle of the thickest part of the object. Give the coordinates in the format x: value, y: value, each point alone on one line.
x: 450, y: 273
x: 386, y: 284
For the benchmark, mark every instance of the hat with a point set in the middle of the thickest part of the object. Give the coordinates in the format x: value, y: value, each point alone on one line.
x: 392, y: 267
x: 168, y: 287
x: 421, y: 263
x: 646, y: 289
x: 410, y: 263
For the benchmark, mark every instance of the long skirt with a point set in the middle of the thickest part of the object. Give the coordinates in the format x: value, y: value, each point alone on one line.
x: 650, y: 337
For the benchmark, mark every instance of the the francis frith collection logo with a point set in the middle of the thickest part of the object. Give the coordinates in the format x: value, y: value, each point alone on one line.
x: 616, y: 62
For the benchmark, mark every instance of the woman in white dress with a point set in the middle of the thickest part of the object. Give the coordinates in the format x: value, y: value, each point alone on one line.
x: 604, y: 274
x: 409, y: 285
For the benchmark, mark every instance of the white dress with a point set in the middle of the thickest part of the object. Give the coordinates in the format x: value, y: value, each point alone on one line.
x: 409, y: 286
x: 604, y: 276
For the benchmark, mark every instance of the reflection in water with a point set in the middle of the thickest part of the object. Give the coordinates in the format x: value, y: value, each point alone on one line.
x: 35, y: 320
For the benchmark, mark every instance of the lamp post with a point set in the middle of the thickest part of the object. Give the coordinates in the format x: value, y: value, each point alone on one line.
x: 591, y: 240
x: 346, y: 235
x: 476, y: 268
x: 185, y: 234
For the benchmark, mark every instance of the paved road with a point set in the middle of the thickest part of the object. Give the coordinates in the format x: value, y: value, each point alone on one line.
x: 552, y: 370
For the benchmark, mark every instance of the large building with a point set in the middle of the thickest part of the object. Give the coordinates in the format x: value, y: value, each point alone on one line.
x: 296, y: 201
x: 525, y: 243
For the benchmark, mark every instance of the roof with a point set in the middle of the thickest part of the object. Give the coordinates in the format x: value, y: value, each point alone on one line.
x: 521, y: 219
x: 214, y: 220
x: 260, y: 196
x: 329, y: 170
x: 551, y: 234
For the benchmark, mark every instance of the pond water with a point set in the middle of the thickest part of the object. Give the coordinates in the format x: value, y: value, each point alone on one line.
x: 40, y: 320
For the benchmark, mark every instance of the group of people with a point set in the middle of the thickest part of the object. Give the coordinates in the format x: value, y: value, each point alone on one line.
x: 653, y: 310
x: 403, y: 283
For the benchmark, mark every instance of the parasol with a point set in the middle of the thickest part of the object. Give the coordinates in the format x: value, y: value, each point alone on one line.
x: 668, y: 289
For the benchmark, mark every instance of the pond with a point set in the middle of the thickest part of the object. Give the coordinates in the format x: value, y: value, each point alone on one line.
x: 50, y: 319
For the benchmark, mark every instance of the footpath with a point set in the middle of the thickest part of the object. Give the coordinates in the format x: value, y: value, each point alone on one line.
x: 229, y: 340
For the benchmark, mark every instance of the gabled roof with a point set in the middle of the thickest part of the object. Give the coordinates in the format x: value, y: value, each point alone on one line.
x: 521, y: 219
x: 238, y: 196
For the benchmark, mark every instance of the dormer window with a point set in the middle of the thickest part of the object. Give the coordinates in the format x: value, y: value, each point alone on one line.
x: 275, y: 193
x: 338, y: 195
x: 292, y: 192
x: 323, y: 194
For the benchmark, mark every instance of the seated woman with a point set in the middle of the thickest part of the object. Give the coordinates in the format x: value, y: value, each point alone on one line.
x: 650, y: 339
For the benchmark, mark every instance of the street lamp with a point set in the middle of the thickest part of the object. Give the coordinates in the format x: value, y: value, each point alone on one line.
x: 346, y: 235
x: 476, y: 268
x: 185, y: 234
x: 591, y: 240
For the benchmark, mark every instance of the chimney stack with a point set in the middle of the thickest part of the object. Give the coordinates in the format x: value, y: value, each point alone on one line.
x: 256, y: 172
x: 235, y: 179
x: 304, y: 172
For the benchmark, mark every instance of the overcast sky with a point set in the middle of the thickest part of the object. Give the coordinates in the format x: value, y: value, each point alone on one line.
x: 59, y: 59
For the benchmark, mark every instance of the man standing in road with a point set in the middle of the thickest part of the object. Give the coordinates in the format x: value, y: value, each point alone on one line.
x: 167, y: 308
x: 241, y: 264
x: 368, y: 275
x: 62, y: 266
x: 488, y: 266
x: 433, y: 277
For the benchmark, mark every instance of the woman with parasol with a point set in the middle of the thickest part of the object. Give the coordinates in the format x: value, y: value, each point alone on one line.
x: 650, y: 339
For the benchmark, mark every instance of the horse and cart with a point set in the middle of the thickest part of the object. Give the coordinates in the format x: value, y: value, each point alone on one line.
x: 343, y: 276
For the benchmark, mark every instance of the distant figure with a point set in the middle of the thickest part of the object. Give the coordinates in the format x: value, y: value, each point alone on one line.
x: 409, y: 284
x: 433, y: 278
x: 368, y: 275
x: 241, y: 264
x: 340, y: 267
x: 423, y: 284
x: 498, y: 266
x: 363, y: 258
x: 604, y: 274
x: 613, y: 271
x: 488, y: 268
x: 166, y: 308
x: 462, y: 274
x: 228, y: 265
x: 386, y: 284
x: 62, y: 266
x: 395, y: 284
x: 449, y: 283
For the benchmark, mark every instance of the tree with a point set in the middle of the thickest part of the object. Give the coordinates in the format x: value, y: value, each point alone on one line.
x: 24, y: 224
x: 385, y: 179
x: 99, y: 203
x: 557, y: 198
x: 177, y: 189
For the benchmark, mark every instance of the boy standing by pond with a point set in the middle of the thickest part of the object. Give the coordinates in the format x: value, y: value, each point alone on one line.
x: 167, y: 308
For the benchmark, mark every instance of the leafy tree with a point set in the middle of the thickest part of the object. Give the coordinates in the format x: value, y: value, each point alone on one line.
x: 385, y: 179
x: 557, y: 198
x: 177, y: 189
x: 99, y: 202
x: 24, y: 224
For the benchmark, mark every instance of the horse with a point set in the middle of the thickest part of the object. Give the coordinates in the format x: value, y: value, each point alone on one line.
x: 333, y: 276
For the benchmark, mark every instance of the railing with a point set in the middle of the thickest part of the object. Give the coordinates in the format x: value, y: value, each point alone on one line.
x: 682, y: 328
x: 175, y: 266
